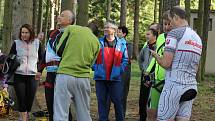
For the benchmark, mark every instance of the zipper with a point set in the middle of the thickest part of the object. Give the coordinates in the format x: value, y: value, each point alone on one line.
x: 27, y: 59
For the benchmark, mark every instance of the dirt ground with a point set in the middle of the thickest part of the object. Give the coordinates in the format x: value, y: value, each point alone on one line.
x: 203, y: 108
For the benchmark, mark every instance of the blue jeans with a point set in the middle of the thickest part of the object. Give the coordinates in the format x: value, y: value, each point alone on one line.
x: 113, y: 90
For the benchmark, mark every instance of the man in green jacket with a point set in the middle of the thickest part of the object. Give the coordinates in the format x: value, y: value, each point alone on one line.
x: 78, y: 48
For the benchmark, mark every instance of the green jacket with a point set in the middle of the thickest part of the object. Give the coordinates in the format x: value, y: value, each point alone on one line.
x: 79, y: 51
x: 159, y: 71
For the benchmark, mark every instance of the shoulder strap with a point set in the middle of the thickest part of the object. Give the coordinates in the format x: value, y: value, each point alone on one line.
x: 63, y: 45
x: 160, y: 47
x: 165, y: 35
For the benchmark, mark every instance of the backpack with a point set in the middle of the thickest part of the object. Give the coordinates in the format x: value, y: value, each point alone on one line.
x: 11, y: 63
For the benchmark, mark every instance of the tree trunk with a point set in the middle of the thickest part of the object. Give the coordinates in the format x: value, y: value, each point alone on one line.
x: 46, y: 19
x: 0, y: 4
x: 7, y: 26
x: 40, y: 17
x: 123, y: 12
x: 22, y: 14
x: 58, y: 6
x: 136, y: 30
x: 108, y: 11
x: 69, y: 5
x: 200, y: 18
x: 160, y: 11
x: 52, y: 13
x: 200, y: 33
x: 168, y: 4
x: 1, y: 13
x: 187, y: 9
x: 35, y: 15
x: 83, y: 16
x: 207, y: 4
x: 155, y: 11
x: 204, y: 34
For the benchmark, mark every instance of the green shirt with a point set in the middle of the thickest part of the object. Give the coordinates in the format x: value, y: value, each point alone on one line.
x: 80, y: 51
x: 159, y: 71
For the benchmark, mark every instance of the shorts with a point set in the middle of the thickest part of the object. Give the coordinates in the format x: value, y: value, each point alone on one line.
x: 169, y: 107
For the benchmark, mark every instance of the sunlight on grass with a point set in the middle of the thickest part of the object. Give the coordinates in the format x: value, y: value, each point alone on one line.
x: 135, y: 71
x: 204, y: 106
x: 210, y: 77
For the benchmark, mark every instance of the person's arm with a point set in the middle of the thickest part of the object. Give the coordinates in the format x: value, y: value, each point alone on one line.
x: 96, y: 55
x: 166, y: 60
x: 13, y: 49
x: 124, y: 58
x: 141, y: 58
x: 42, y: 63
x: 169, y: 51
x: 40, y: 52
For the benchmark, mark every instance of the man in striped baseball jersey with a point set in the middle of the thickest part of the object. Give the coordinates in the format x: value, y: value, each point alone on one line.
x: 181, y: 59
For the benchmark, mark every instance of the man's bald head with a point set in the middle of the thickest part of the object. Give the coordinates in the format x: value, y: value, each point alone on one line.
x: 66, y: 18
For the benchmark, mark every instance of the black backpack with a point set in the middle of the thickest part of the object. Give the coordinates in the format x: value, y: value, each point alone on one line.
x: 11, y: 63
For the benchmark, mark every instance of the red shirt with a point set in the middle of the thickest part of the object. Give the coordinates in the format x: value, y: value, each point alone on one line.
x: 109, y: 51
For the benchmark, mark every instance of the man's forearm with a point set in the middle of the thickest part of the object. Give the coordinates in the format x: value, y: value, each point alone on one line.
x: 161, y: 61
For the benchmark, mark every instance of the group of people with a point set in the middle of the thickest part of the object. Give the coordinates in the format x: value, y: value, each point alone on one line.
x: 168, y: 62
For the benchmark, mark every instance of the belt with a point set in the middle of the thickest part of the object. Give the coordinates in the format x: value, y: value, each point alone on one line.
x: 53, y: 63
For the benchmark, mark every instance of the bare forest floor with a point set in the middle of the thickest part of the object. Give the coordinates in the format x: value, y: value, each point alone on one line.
x: 203, y: 107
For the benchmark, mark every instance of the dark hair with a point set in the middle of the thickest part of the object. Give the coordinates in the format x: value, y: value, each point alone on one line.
x: 30, y: 29
x: 166, y: 15
x: 124, y: 30
x: 176, y: 10
x: 154, y: 32
x: 158, y: 27
x: 94, y: 27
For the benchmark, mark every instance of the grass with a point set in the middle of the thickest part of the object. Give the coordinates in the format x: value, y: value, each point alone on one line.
x: 135, y: 71
x: 204, y: 105
x: 210, y: 77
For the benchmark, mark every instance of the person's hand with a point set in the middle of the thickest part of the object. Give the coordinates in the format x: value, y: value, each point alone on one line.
x: 146, y: 74
x: 1, y: 66
x: 147, y: 84
x: 153, y: 53
x: 5, y: 89
x: 38, y: 76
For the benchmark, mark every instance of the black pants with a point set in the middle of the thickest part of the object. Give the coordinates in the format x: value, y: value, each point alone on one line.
x: 49, y: 95
x: 143, y: 100
x: 126, y: 77
x: 25, y: 87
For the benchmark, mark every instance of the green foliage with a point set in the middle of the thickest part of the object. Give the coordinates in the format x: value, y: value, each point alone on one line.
x: 97, y: 11
x: 213, y: 5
